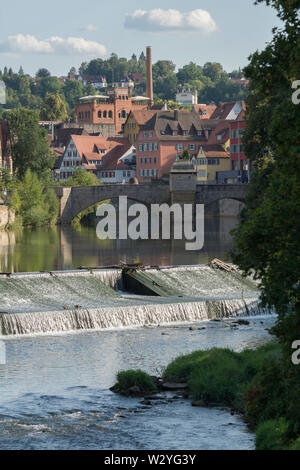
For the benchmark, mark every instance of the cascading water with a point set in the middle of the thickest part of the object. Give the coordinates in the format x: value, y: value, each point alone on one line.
x: 68, y: 301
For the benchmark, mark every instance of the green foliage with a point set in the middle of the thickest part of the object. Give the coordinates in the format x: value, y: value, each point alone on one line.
x: 271, y: 435
x: 54, y: 108
x: 131, y: 378
x: 82, y: 178
x: 35, y: 206
x: 28, y: 142
x: 295, y: 445
x: 185, y: 155
x: 267, y: 241
x: 220, y: 375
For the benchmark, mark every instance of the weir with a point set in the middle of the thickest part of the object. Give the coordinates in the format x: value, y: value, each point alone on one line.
x: 35, y: 303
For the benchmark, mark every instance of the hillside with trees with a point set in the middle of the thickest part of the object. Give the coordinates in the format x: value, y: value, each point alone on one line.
x: 212, y: 83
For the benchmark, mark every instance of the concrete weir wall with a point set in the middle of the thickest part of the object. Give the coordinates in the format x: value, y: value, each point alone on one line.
x: 6, y: 216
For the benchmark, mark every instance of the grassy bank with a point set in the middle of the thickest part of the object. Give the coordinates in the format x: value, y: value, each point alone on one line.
x: 255, y: 383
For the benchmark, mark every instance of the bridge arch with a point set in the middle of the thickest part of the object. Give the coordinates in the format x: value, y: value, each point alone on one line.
x: 75, y: 200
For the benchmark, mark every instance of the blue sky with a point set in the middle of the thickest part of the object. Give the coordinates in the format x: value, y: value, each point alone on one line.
x: 63, y: 33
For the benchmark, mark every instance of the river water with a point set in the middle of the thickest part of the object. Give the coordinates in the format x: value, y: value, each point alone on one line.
x: 57, y: 361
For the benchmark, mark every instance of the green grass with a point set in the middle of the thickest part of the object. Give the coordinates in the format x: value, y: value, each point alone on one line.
x: 130, y: 378
x: 220, y: 376
x: 271, y: 435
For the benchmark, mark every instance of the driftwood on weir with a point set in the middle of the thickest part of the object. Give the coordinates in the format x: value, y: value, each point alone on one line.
x: 218, y: 264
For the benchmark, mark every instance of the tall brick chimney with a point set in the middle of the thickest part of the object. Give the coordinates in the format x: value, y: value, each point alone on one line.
x: 149, y: 86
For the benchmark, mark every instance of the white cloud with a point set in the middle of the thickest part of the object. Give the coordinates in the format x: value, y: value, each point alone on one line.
x: 88, y: 27
x: 21, y: 43
x: 171, y: 20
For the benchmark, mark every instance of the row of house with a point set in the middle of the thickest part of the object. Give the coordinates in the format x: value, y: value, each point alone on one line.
x: 153, y: 139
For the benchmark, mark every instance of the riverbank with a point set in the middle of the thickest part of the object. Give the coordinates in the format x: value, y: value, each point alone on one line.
x: 253, y: 383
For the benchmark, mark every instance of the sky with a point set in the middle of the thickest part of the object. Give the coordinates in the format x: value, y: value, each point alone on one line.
x: 63, y: 33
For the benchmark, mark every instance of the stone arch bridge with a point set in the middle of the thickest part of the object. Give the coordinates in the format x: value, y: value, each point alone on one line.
x: 74, y: 200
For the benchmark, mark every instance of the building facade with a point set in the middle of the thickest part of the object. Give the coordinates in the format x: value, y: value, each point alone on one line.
x: 112, y: 108
x: 112, y: 160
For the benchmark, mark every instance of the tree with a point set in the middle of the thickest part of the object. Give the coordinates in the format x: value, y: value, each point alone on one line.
x: 213, y: 70
x: 54, y: 108
x: 82, y: 178
x: 28, y: 142
x: 72, y: 71
x: 163, y: 68
x: 73, y: 90
x: 166, y: 88
x: 189, y: 72
x: 47, y: 85
x: 267, y: 240
x: 42, y: 73
x: 35, y: 206
x: 21, y: 71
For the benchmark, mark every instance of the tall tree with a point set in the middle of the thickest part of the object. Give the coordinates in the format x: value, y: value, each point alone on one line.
x: 42, y: 73
x: 54, y: 108
x: 28, y: 142
x: 267, y: 241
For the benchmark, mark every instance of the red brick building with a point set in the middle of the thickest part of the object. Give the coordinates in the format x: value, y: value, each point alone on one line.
x: 112, y: 108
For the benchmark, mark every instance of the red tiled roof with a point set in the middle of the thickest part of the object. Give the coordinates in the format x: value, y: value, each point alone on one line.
x: 142, y: 115
x: 204, y: 108
x: 115, y: 148
x: 214, y: 151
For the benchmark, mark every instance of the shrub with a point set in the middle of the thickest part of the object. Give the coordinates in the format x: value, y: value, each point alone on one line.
x: 272, y: 435
x: 130, y: 378
x: 217, y: 377
x: 295, y: 445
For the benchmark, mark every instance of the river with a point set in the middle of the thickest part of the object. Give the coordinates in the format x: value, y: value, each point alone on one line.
x: 56, y: 366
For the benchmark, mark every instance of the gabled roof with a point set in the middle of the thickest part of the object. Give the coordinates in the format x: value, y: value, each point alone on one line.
x: 161, y: 121
x: 142, y: 115
x: 204, y: 110
x: 63, y: 135
x: 227, y: 110
x: 88, y: 148
x: 213, y: 151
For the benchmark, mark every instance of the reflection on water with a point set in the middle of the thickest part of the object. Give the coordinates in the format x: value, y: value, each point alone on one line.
x: 64, y: 248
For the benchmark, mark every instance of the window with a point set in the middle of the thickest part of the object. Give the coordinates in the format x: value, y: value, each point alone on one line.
x: 155, y: 146
x: 141, y: 147
x: 201, y: 161
x: 141, y: 160
x: 202, y: 173
x: 145, y: 134
x: 154, y: 159
x: 150, y: 134
x: 123, y: 114
x: 185, y: 132
x: 192, y: 147
x: 180, y: 147
x: 110, y: 114
x: 145, y: 160
x: 175, y: 133
x: 105, y: 114
x: 145, y: 147
x: 99, y: 114
x: 150, y: 147
x: 141, y: 172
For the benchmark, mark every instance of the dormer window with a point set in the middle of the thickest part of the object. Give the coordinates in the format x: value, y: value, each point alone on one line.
x: 175, y: 133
